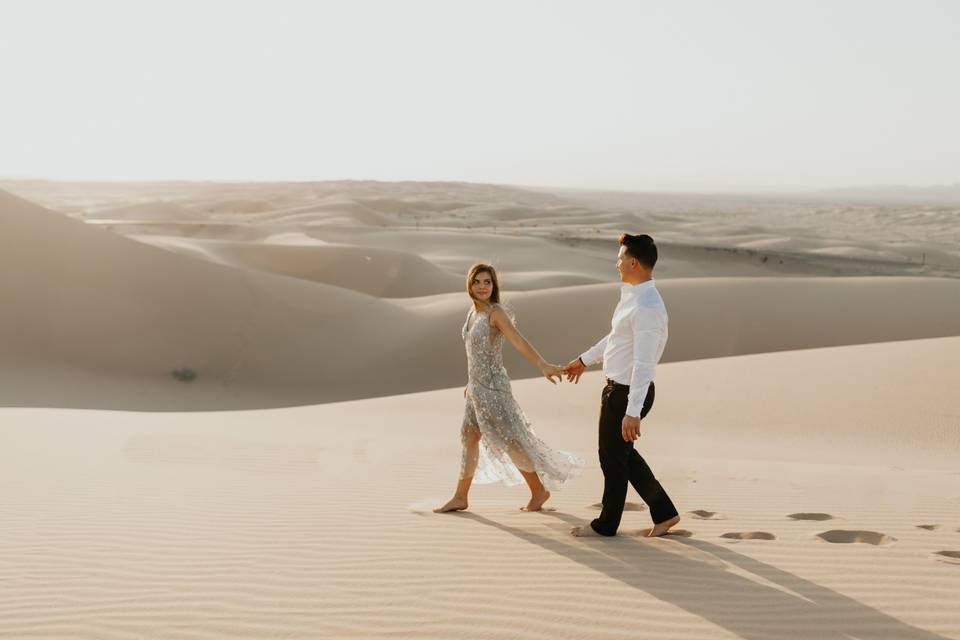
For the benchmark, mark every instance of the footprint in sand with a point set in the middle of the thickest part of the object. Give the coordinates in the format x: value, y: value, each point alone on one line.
x: 928, y: 527
x: 630, y: 506
x: 810, y: 516
x: 701, y: 514
x: 844, y: 536
x: 953, y: 557
x: 749, y: 535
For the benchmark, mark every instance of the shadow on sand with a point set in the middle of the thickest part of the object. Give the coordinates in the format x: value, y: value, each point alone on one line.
x: 694, y: 577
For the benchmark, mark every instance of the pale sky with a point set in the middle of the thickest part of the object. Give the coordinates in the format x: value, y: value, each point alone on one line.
x: 645, y: 95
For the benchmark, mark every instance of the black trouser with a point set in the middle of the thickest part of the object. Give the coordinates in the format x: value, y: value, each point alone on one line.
x: 621, y: 463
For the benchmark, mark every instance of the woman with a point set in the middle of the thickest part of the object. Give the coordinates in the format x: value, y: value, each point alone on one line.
x: 498, y: 442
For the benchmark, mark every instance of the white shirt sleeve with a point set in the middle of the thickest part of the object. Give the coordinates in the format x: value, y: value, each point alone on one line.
x: 594, y: 354
x: 647, y: 329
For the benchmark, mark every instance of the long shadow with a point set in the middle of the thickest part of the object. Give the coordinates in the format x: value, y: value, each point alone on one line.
x: 750, y: 609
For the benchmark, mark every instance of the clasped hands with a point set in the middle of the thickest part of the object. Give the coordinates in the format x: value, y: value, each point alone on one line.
x: 573, y: 370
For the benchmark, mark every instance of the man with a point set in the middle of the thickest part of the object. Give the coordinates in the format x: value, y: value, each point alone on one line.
x: 629, y: 353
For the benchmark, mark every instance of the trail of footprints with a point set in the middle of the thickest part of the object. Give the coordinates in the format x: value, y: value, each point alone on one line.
x: 833, y: 536
x: 948, y: 556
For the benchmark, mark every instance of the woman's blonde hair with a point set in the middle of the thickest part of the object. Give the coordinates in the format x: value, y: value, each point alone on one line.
x: 476, y: 270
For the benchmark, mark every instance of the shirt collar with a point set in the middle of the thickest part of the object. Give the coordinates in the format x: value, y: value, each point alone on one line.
x: 633, y: 289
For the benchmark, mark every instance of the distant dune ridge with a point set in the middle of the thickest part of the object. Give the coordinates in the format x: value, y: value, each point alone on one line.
x: 90, y: 301
x: 227, y: 410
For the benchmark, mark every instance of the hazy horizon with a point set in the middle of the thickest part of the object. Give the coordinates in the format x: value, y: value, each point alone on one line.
x: 692, y: 97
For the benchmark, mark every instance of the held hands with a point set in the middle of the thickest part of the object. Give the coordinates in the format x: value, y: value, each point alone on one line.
x: 630, y: 428
x: 550, y: 371
x: 574, y: 370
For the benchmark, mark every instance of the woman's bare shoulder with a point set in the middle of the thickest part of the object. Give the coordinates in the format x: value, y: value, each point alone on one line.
x: 500, y: 312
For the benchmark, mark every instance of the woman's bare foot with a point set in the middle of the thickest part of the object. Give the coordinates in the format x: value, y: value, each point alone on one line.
x: 663, y: 527
x: 455, y: 504
x: 536, y: 501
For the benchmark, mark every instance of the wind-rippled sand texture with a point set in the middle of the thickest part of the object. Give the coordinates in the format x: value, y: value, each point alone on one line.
x: 316, y: 522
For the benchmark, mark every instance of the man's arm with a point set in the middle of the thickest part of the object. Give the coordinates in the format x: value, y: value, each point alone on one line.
x: 647, y: 327
x: 594, y: 354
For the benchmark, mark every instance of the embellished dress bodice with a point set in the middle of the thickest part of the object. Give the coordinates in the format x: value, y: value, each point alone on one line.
x: 484, y: 346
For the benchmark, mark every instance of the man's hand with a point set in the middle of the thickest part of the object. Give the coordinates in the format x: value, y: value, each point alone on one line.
x: 630, y: 428
x: 574, y: 370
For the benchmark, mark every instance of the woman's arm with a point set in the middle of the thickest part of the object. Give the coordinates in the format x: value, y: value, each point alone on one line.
x: 500, y: 320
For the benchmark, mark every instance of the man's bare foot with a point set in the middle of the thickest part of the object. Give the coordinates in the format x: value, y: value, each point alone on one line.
x: 455, y: 504
x: 536, y: 502
x: 663, y: 527
x: 584, y: 532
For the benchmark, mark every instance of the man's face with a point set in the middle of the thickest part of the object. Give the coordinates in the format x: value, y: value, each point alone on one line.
x: 624, y: 264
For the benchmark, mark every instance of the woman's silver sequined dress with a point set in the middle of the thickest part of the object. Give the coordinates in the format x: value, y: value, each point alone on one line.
x: 508, y: 441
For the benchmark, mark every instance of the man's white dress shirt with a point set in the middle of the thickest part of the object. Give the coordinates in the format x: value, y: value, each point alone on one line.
x: 632, y: 349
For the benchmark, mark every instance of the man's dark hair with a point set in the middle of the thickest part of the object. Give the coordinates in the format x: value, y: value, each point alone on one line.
x: 640, y: 247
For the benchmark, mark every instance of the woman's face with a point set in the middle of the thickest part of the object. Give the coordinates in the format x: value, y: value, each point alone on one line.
x: 482, y: 286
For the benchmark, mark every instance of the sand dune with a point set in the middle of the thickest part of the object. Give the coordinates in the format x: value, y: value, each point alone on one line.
x: 324, y: 212
x: 106, y: 322
x: 160, y: 232
x: 513, y: 254
x: 314, y: 521
x: 92, y: 303
x: 239, y: 206
x: 900, y: 232
x: 763, y: 235
x: 145, y: 211
x: 370, y: 269
x: 383, y: 273
x: 357, y: 212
